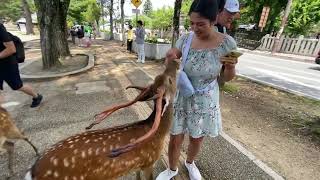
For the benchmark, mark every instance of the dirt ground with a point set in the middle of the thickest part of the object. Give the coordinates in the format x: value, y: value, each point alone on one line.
x: 279, y: 128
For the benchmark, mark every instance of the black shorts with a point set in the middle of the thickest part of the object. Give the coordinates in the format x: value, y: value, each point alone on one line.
x: 9, y: 72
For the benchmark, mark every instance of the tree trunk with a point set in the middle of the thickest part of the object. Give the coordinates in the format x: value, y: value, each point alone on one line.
x: 122, y: 22
x: 62, y: 32
x: 52, y: 23
x: 276, y: 45
x: 176, y: 23
x: 102, y: 13
x: 27, y: 15
x: 111, y: 19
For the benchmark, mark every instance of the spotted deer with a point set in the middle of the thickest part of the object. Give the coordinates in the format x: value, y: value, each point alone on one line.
x: 110, y: 153
x: 9, y: 131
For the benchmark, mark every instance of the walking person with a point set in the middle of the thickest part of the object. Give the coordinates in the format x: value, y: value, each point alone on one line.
x: 199, y: 115
x: 140, y: 34
x: 129, y: 39
x: 9, y: 70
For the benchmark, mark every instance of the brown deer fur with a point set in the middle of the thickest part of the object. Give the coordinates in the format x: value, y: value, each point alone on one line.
x: 88, y: 155
x: 8, y: 130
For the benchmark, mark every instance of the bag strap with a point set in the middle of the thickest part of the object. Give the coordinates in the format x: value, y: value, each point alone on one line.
x: 186, y: 51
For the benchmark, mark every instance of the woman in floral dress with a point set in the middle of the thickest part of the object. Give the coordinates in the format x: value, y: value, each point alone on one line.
x: 199, y: 115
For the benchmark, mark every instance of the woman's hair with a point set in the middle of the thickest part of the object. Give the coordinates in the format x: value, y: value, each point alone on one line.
x: 207, y: 8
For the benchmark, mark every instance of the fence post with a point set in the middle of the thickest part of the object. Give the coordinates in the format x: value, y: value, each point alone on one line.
x: 317, y: 48
x: 296, y: 49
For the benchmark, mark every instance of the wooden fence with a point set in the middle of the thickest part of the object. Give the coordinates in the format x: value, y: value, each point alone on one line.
x: 300, y: 45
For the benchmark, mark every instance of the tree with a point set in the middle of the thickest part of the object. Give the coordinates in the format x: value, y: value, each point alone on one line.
x: 162, y: 19
x: 111, y: 19
x: 147, y: 8
x: 11, y: 9
x: 27, y: 15
x: 305, y: 14
x: 176, y: 19
x: 122, y: 21
x: 52, y: 15
x: 276, y: 44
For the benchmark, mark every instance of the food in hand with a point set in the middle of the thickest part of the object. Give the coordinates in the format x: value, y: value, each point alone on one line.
x: 231, y: 57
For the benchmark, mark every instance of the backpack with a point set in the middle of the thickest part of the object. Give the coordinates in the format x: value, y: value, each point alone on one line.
x: 20, y: 55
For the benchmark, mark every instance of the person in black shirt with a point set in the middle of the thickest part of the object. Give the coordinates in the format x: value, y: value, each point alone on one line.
x: 9, y: 70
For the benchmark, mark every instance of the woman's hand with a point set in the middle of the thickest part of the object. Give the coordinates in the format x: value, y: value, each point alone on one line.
x: 172, y: 54
x: 229, y: 70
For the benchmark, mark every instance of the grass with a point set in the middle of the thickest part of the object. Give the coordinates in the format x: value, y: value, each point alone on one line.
x: 230, y: 88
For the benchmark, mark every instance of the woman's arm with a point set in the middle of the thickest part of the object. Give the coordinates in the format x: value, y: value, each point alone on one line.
x: 229, y: 68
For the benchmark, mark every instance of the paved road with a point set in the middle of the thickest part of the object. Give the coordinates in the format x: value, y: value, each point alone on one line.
x: 297, y: 77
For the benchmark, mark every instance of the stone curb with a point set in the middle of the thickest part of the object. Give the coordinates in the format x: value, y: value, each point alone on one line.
x: 39, y: 77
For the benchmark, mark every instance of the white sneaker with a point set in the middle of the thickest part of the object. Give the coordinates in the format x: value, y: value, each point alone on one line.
x: 194, y: 172
x: 138, y: 61
x: 167, y: 174
x: 142, y: 62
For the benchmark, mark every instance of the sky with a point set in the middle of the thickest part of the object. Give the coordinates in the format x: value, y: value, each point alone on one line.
x: 156, y: 4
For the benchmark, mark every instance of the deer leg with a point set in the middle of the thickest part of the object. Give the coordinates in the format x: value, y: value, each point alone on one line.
x: 9, y: 146
x: 34, y: 147
x: 148, y: 173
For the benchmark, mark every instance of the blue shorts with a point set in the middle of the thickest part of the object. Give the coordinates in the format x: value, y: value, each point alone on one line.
x: 9, y: 72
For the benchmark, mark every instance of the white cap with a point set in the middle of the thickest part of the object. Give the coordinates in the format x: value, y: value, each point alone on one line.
x: 232, y: 6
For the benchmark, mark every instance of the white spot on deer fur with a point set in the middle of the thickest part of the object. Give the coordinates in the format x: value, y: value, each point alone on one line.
x: 66, y: 162
x: 82, y: 177
x: 70, y: 142
x: 71, y: 146
x: 83, y: 154
x: 104, y: 143
x: 87, y: 141
x: 84, y: 138
x: 150, y: 159
x: 132, y: 140
x: 109, y: 137
x: 76, y: 140
x: 52, y: 158
x: 49, y: 172
x: 119, y: 139
x: 75, y: 151
x: 97, y: 151
x: 104, y: 149
x: 106, y: 163
x: 89, y: 151
x: 66, y: 178
x: 95, y: 140
x: 55, y: 162
x: 74, y: 178
x: 73, y: 159
x: 100, y: 138
x: 56, y: 174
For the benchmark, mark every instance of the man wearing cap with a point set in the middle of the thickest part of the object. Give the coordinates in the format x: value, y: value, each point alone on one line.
x: 227, y: 15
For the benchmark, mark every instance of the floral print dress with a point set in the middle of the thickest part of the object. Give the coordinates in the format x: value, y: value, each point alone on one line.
x: 199, y: 115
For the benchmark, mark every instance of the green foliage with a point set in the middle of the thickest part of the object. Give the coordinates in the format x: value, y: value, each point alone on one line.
x: 162, y: 18
x: 81, y: 11
x: 147, y: 8
x: 304, y: 15
x: 93, y: 12
x: 11, y: 9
